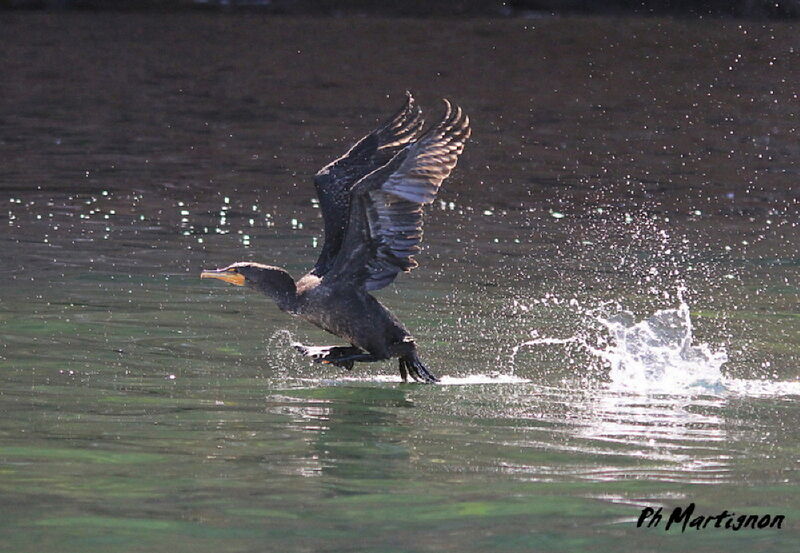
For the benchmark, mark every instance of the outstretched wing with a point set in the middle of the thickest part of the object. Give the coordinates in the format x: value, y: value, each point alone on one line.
x: 333, y: 182
x: 385, y: 225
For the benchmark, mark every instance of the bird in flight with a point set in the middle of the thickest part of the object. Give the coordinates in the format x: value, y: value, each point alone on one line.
x: 371, y: 200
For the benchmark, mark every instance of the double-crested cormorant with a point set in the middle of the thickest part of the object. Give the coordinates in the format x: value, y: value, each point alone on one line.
x: 371, y: 200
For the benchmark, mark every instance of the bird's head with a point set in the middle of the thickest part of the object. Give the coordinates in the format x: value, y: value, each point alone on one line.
x: 272, y: 281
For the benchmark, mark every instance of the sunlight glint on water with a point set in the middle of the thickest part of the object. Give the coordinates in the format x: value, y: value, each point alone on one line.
x: 658, y: 355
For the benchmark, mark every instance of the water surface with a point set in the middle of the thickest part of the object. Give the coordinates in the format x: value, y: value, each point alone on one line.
x: 616, y: 166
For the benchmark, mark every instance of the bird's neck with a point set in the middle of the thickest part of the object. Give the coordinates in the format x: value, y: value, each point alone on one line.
x: 283, y: 292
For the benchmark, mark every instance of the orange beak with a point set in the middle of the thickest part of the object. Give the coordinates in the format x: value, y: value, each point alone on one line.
x: 223, y: 274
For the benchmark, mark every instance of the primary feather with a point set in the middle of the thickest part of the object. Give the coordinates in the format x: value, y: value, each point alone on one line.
x: 385, y: 224
x: 334, y: 181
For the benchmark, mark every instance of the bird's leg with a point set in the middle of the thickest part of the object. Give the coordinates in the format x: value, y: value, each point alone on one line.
x: 412, y: 365
x: 335, y: 355
x: 403, y: 369
x: 347, y: 361
x: 360, y: 357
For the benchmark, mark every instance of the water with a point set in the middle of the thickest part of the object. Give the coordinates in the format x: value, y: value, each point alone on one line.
x: 658, y: 355
x: 611, y: 166
x: 660, y: 350
x: 654, y: 354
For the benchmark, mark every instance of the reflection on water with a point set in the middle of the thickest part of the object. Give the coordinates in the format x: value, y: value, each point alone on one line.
x: 613, y: 162
x: 687, y: 435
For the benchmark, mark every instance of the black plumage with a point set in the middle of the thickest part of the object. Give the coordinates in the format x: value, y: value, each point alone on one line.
x: 371, y: 200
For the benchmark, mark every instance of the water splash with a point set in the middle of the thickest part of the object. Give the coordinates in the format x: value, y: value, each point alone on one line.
x: 280, y: 346
x: 657, y: 354
x: 281, y: 339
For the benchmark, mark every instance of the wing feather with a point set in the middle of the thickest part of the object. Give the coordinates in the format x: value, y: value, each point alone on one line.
x: 334, y: 181
x: 385, y: 226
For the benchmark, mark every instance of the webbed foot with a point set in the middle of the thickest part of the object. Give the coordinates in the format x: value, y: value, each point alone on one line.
x: 341, y: 356
x: 418, y: 371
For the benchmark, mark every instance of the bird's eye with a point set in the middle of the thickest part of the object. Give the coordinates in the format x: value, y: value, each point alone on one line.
x: 231, y: 270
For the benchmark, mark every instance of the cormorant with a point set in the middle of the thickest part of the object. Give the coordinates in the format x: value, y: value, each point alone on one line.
x: 371, y: 200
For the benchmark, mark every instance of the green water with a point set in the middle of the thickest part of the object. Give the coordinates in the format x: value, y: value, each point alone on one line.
x: 146, y: 410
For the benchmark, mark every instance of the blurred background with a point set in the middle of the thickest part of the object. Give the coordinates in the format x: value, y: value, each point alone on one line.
x: 738, y: 8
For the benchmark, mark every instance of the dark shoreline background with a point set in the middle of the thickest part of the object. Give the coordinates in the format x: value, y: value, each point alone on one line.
x: 758, y: 9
